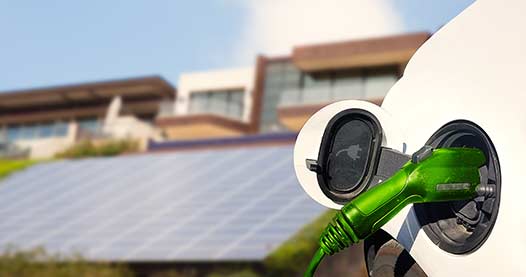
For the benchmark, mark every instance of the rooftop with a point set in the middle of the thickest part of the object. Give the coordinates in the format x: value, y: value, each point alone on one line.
x: 396, y: 49
x: 85, y: 92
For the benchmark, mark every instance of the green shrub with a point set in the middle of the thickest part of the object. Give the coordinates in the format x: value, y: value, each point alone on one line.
x: 9, y: 166
x: 221, y: 271
x: 175, y: 273
x: 242, y: 273
x: 89, y: 149
x: 293, y: 256
x: 38, y: 263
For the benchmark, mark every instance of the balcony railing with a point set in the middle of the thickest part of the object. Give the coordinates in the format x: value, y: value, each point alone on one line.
x: 318, y: 95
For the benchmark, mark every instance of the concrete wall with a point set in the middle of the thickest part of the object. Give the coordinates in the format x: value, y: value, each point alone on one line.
x: 129, y: 127
x: 215, y: 80
x: 114, y: 126
x: 43, y: 148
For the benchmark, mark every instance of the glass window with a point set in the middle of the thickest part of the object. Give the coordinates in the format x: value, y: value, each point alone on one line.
x: 291, y: 77
x: 290, y: 97
x: 237, y: 97
x: 219, y: 103
x: 227, y: 103
x: 348, y: 85
x: 378, y: 83
x: 28, y: 132
x: 13, y: 133
x: 61, y: 129
x: 316, y: 88
x: 273, y: 82
x: 41, y: 130
x: 317, y: 80
x: 45, y: 130
x: 198, y: 102
x: 235, y: 108
x: 275, y: 69
x: 279, y: 77
x: 89, y: 125
x: 286, y: 85
x: 315, y: 95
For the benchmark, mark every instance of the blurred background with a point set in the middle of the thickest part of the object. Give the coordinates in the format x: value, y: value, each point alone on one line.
x: 154, y: 138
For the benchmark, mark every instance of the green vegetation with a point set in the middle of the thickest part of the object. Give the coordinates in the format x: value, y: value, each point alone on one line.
x: 242, y: 273
x: 293, y: 257
x: 39, y: 263
x: 224, y: 272
x: 108, y: 148
x: 9, y: 166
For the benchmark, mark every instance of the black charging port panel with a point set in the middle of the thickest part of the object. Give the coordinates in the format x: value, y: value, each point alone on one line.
x: 349, y: 152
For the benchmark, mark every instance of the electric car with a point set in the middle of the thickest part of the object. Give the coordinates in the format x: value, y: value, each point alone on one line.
x: 463, y: 88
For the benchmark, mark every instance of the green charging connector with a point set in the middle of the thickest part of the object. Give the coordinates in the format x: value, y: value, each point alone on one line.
x: 430, y: 176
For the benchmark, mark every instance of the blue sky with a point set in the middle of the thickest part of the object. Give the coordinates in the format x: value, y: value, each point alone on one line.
x: 55, y: 42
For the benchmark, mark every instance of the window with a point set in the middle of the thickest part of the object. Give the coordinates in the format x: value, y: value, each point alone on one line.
x: 282, y: 79
x: 235, y: 108
x: 91, y: 125
x: 316, y: 88
x: 348, y: 85
x: 227, y: 103
x: 28, y: 132
x: 13, y: 133
x: 286, y: 85
x: 46, y: 130
x: 60, y: 129
x: 378, y: 83
x: 36, y: 131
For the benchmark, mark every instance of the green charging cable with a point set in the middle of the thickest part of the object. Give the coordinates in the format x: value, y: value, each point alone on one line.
x: 431, y: 176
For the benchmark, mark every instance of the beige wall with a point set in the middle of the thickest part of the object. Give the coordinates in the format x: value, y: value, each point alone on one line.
x: 43, y: 148
x: 200, y: 131
x: 114, y: 126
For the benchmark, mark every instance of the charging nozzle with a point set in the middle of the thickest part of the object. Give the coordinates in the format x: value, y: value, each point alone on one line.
x: 432, y: 175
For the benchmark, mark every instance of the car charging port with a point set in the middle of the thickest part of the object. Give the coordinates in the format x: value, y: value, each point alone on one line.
x: 461, y: 227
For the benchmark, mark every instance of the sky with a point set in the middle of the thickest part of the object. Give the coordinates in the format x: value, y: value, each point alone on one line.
x: 56, y: 42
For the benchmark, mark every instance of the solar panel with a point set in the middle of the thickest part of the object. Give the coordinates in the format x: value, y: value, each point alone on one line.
x: 223, y: 204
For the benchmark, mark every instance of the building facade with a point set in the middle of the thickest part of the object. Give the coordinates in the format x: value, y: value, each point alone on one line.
x: 290, y: 89
x: 283, y: 92
x: 277, y: 95
x: 41, y: 122
x: 210, y: 104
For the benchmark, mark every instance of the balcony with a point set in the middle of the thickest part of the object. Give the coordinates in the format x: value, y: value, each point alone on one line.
x: 296, y: 106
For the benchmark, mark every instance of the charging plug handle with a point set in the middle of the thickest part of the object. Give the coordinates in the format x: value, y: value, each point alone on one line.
x: 432, y: 175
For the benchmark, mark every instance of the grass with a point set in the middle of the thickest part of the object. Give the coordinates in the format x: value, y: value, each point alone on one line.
x: 293, y: 256
x: 242, y: 273
x: 39, y: 263
x: 9, y: 166
x: 108, y: 148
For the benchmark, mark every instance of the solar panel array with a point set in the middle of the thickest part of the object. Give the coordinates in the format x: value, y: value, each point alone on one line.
x: 228, y: 204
